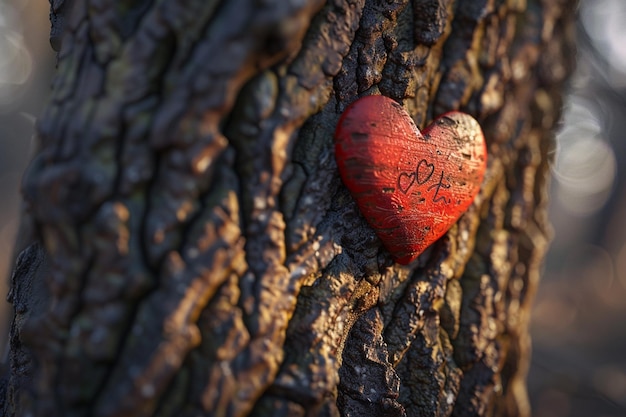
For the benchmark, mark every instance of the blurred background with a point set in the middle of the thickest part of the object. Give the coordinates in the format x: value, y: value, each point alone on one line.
x: 579, y: 320
x: 26, y: 68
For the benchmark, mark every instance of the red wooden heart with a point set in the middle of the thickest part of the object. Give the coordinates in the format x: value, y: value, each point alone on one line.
x: 411, y: 187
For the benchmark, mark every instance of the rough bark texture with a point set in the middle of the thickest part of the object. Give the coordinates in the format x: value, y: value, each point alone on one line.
x: 194, y: 252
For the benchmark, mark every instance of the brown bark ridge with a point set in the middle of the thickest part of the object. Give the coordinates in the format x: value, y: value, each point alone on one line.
x: 194, y: 251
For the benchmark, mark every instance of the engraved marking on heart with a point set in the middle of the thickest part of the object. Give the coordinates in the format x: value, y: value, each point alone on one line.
x: 405, y: 181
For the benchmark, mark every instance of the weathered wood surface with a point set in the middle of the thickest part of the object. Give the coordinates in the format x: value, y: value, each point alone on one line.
x: 202, y: 256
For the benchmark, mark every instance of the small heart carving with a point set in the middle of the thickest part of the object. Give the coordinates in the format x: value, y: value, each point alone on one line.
x: 411, y: 187
x: 405, y: 181
x: 426, y: 174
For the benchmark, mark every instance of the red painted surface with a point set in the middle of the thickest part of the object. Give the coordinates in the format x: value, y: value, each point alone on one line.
x: 410, y: 186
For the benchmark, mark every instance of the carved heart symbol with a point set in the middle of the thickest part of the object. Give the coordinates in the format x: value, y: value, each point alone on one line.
x: 430, y: 169
x: 411, y: 187
x: 405, y: 181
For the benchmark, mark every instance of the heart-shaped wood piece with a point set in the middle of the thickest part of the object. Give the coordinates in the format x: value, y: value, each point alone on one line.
x: 411, y: 187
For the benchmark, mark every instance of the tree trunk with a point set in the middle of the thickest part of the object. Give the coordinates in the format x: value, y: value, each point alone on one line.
x: 191, y: 250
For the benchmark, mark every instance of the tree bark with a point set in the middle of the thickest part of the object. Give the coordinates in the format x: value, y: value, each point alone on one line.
x: 189, y: 246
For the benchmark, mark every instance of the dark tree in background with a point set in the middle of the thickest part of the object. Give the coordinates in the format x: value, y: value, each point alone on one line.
x: 189, y: 248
